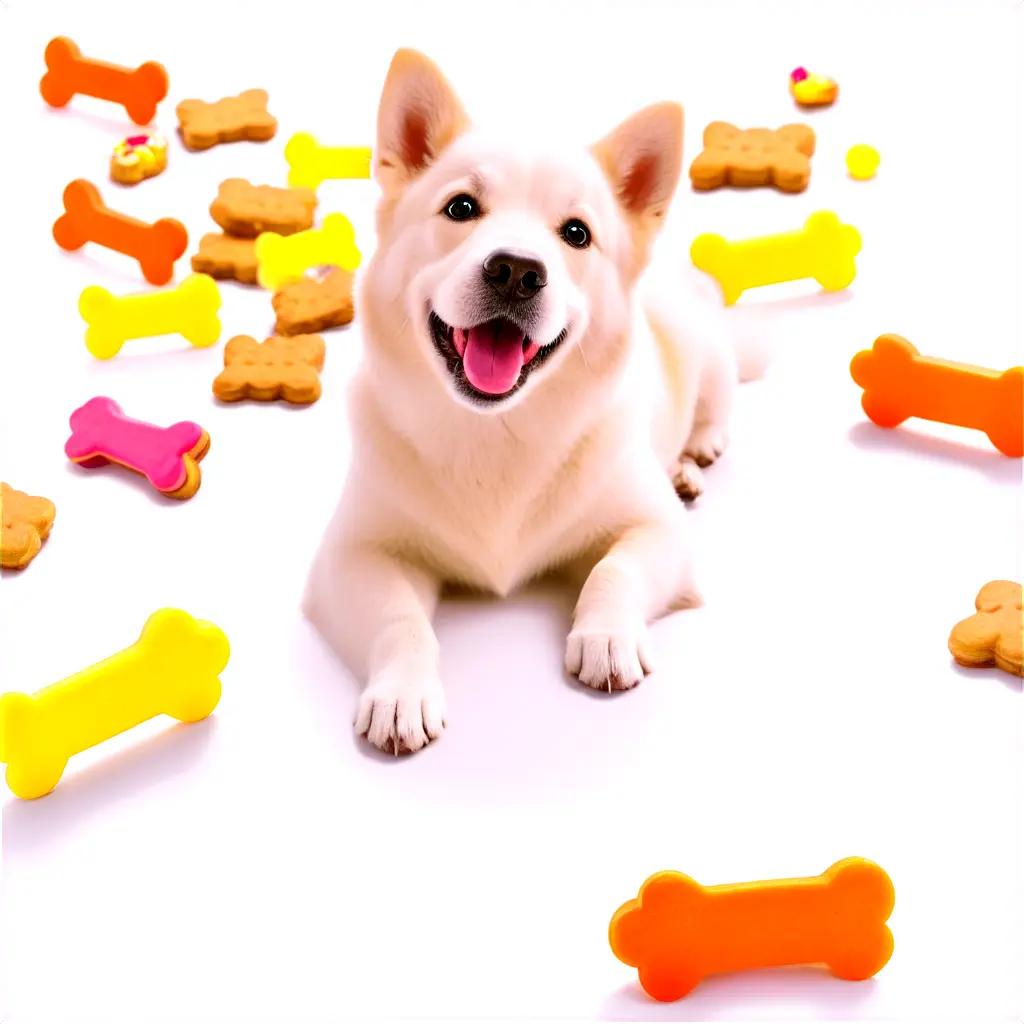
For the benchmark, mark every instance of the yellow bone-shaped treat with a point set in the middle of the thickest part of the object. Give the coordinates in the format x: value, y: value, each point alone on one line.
x: 823, y: 249
x: 286, y: 258
x: 189, y: 310
x: 310, y: 163
x: 172, y: 669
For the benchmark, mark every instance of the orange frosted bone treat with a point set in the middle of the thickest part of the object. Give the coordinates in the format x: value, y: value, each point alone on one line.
x: 899, y: 382
x: 678, y: 932
x: 87, y: 219
x: 68, y: 74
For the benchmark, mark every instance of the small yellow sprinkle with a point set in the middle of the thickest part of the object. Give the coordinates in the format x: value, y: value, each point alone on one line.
x: 862, y: 161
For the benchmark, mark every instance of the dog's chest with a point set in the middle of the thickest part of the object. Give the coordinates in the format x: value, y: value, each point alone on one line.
x: 499, y: 524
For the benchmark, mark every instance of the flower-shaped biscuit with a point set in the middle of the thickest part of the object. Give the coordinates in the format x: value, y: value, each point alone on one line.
x: 994, y: 635
x: 280, y: 367
x: 754, y: 156
x: 26, y: 522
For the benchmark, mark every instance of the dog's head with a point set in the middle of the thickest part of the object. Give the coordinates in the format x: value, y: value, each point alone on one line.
x: 505, y: 267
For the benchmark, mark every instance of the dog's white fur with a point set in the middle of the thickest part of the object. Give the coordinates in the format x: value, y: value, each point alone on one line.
x: 579, y: 466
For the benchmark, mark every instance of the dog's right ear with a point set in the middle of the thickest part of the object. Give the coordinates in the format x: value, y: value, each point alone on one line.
x: 419, y: 115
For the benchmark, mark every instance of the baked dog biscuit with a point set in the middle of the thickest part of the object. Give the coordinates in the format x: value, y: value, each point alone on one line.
x: 226, y: 258
x: 247, y: 210
x: 994, y: 635
x: 26, y: 522
x: 232, y: 119
x: 755, y: 156
x: 280, y: 367
x: 314, y: 303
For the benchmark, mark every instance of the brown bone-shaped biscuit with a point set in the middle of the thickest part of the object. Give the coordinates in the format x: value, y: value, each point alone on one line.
x: 26, y: 522
x: 285, y: 368
x: 754, y: 156
x: 994, y: 635
x: 314, y: 304
x: 226, y: 258
x: 247, y: 210
x: 232, y: 119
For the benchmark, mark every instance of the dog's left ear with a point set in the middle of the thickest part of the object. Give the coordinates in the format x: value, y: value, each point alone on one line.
x: 642, y: 159
x: 419, y: 115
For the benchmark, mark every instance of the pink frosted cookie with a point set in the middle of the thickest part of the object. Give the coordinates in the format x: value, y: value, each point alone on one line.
x: 168, y: 457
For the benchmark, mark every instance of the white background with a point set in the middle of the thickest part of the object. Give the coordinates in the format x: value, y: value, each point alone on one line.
x: 267, y: 866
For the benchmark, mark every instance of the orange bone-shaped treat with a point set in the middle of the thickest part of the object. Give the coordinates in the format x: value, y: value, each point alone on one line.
x: 86, y: 219
x: 899, y: 382
x: 68, y: 73
x: 678, y: 932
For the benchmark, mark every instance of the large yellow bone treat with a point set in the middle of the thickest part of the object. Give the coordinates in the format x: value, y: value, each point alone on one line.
x: 172, y: 669
x: 284, y: 258
x: 190, y: 310
x: 823, y: 249
x: 310, y: 163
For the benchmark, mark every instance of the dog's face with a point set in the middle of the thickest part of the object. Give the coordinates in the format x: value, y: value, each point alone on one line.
x: 493, y: 260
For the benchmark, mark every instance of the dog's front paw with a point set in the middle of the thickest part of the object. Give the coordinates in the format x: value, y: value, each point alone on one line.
x: 401, y: 711
x: 608, y: 659
x: 706, y: 444
x: 688, y: 480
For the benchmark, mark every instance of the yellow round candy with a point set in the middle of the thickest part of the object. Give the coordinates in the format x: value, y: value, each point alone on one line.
x: 862, y: 161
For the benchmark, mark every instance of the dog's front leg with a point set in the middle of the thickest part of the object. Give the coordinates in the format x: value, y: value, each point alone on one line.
x: 645, y: 572
x: 376, y: 611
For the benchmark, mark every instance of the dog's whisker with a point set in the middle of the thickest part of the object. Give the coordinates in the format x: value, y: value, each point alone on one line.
x: 511, y: 433
x: 583, y: 355
x: 401, y: 330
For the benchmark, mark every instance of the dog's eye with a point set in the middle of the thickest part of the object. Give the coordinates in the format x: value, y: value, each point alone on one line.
x: 576, y: 233
x: 462, y: 207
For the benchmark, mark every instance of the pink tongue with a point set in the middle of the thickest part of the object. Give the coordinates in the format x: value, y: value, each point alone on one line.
x: 493, y: 357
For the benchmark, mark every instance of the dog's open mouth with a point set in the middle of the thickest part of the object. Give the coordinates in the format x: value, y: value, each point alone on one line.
x: 490, y: 360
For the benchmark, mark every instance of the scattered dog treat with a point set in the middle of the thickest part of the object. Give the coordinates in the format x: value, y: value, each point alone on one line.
x: 812, y: 90
x: 862, y: 162
x: 754, y: 156
x: 172, y: 669
x: 168, y: 457
x: 247, y: 210
x: 678, y: 932
x: 68, y: 74
x: 994, y: 635
x: 226, y: 258
x: 189, y: 310
x: 286, y: 258
x: 823, y: 249
x: 314, y: 303
x: 899, y: 382
x: 232, y: 119
x: 87, y: 219
x: 280, y: 367
x: 138, y: 157
x: 310, y: 163
x: 26, y: 522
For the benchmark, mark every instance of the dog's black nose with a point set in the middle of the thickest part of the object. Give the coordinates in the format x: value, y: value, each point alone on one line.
x: 514, y: 275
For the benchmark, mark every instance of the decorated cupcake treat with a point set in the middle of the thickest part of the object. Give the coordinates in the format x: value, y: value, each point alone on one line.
x: 138, y: 157
x: 810, y: 90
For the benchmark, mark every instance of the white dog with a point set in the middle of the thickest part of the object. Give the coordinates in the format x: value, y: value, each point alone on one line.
x: 525, y: 402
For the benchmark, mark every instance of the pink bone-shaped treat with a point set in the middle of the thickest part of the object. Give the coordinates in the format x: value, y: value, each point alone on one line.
x: 68, y: 73
x: 101, y: 431
x: 88, y: 219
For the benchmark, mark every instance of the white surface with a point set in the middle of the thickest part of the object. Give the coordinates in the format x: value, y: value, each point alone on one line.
x: 265, y: 865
